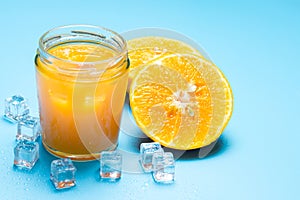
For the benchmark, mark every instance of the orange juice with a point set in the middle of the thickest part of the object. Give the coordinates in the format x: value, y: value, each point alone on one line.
x: 81, y: 79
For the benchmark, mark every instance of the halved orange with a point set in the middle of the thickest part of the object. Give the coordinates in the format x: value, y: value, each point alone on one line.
x: 181, y: 100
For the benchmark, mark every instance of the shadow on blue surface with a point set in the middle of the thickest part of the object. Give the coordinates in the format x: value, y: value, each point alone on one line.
x: 214, y: 149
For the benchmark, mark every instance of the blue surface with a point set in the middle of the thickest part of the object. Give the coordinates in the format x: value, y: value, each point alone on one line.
x: 255, y: 43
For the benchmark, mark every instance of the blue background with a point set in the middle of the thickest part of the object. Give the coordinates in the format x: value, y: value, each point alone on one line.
x: 255, y: 43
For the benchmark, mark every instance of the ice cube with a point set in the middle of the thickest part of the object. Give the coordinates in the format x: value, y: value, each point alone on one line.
x: 110, y: 165
x: 146, y: 153
x: 63, y: 173
x: 28, y: 128
x: 26, y: 154
x: 163, y: 167
x: 15, y: 108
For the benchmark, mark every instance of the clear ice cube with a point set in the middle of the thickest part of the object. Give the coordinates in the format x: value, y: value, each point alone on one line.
x: 110, y: 165
x: 26, y: 154
x: 29, y: 128
x: 63, y: 173
x: 163, y: 167
x: 146, y: 153
x: 15, y: 108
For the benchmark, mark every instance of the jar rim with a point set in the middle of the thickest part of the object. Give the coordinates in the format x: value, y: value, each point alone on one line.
x: 122, y: 44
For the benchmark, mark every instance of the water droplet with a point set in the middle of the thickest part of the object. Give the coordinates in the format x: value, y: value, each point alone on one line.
x: 145, y: 186
x: 191, y: 87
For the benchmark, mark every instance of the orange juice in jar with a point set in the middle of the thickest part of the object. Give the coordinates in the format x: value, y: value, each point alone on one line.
x: 82, y: 74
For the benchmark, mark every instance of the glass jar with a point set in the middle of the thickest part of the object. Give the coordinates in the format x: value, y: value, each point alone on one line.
x: 82, y: 74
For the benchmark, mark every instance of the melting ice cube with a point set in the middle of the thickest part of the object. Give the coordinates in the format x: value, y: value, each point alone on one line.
x: 163, y: 167
x: 15, y: 108
x: 110, y: 165
x: 146, y: 153
x: 28, y: 128
x: 63, y: 173
x: 26, y: 154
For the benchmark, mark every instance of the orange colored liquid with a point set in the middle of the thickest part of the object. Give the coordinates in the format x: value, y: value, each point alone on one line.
x: 79, y: 117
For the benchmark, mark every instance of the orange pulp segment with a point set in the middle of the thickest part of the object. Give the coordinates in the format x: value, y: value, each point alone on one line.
x: 144, y: 50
